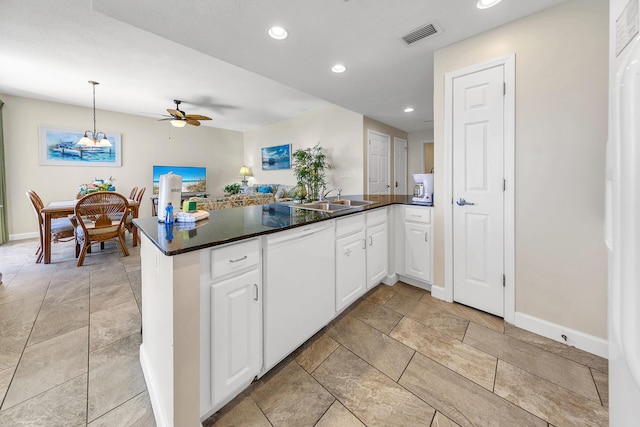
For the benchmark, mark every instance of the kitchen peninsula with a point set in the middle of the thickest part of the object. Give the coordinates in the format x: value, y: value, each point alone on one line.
x: 227, y: 298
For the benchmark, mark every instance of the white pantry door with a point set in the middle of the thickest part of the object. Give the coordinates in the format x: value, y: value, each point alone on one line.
x: 478, y: 190
x: 378, y: 169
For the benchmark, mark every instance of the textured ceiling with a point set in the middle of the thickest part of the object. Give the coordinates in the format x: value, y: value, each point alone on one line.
x: 215, y: 55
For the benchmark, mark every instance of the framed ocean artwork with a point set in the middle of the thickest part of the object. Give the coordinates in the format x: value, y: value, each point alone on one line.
x: 278, y: 157
x: 58, y: 147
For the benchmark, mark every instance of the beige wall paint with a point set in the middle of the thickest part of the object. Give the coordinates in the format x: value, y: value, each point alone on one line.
x: 145, y: 142
x: 336, y: 129
x: 561, y: 131
x: 370, y: 124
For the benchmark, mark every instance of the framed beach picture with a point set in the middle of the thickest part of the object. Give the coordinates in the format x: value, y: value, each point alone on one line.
x: 278, y: 157
x: 58, y: 147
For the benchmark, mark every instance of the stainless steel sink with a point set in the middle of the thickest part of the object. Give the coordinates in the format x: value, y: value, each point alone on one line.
x: 352, y: 203
x: 331, y: 206
x: 322, y: 207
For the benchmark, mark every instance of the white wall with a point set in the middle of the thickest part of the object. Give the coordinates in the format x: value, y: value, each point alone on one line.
x: 338, y: 130
x: 145, y: 142
x: 561, y: 131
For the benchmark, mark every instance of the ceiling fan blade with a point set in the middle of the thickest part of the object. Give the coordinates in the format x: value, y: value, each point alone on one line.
x: 168, y: 118
x: 176, y: 113
x: 197, y: 117
x: 193, y: 122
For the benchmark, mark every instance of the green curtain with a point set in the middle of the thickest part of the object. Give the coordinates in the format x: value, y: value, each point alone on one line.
x: 4, y: 228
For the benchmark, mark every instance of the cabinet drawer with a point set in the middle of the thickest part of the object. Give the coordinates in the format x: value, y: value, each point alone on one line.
x: 417, y: 214
x: 232, y: 258
x: 376, y: 217
x: 349, y: 225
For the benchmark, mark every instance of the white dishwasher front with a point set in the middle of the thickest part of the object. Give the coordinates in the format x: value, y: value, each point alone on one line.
x: 299, y: 288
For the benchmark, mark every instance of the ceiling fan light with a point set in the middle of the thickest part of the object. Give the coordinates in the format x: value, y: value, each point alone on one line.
x: 486, y: 4
x: 178, y: 123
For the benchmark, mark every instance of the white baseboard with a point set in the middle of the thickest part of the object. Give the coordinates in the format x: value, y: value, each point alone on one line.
x: 390, y: 280
x: 586, y: 342
x: 24, y: 236
x: 440, y: 293
x: 158, y: 410
x: 413, y: 282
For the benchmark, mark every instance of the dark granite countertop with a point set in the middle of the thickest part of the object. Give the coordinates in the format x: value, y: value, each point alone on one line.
x: 229, y: 225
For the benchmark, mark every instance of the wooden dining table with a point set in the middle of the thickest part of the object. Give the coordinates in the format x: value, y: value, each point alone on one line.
x: 64, y: 208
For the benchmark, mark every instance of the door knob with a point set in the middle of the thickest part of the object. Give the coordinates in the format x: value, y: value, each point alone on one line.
x: 462, y: 202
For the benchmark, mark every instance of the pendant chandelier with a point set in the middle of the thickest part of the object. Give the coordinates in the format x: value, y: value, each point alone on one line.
x: 98, y: 139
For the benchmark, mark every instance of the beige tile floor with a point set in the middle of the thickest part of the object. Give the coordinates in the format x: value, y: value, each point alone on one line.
x: 69, y: 342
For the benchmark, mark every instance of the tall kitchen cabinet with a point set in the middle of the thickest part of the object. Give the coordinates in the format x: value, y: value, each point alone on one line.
x: 418, y: 243
x: 231, y: 333
x: 377, y: 243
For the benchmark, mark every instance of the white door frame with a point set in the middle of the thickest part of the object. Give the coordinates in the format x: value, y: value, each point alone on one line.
x: 406, y: 166
x: 384, y: 135
x: 508, y: 61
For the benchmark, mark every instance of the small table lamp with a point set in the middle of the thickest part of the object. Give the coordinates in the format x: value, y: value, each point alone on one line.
x: 244, y: 173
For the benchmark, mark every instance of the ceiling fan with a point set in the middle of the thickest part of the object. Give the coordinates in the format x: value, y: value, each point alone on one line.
x: 179, y: 118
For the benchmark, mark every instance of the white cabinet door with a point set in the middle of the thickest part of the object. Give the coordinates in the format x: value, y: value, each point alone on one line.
x: 417, y: 251
x: 350, y: 269
x: 377, y: 249
x: 236, y: 333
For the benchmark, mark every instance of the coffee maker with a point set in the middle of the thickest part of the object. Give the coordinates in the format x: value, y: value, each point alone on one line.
x: 423, y: 188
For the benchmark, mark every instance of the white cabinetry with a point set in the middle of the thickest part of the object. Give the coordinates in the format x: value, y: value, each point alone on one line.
x: 377, y: 246
x: 418, y: 243
x: 232, y: 354
x: 350, y: 260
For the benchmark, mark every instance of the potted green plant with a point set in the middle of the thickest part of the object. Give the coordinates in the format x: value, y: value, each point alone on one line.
x: 232, y: 189
x: 309, y: 166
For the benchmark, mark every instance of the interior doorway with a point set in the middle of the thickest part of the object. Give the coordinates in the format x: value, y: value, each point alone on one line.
x: 427, y: 148
x: 399, y: 166
x: 479, y: 182
x: 378, y: 164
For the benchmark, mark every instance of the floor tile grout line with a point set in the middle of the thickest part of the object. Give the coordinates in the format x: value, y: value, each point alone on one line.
x: 86, y: 412
x: 597, y: 389
x: 24, y: 348
x: 542, y: 378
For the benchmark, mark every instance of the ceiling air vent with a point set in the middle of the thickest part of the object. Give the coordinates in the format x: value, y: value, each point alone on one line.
x: 421, y: 33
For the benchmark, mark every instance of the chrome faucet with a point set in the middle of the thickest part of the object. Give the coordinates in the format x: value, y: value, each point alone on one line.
x: 323, y: 195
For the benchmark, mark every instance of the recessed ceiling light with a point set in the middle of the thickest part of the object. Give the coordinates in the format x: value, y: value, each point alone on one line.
x: 408, y: 110
x: 486, y: 4
x: 278, y: 33
x: 338, y: 68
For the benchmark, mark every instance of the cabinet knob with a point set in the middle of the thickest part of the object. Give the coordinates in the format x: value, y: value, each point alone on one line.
x: 255, y: 298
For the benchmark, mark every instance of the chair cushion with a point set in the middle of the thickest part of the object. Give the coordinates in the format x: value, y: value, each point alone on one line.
x: 59, y: 225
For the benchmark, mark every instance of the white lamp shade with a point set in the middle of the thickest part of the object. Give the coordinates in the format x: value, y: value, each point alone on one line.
x: 85, y: 140
x: 244, y: 171
x: 178, y: 123
x: 104, y: 142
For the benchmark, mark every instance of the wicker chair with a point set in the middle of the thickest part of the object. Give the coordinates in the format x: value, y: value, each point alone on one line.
x: 132, y: 196
x: 61, y: 228
x: 106, y: 211
x: 128, y: 222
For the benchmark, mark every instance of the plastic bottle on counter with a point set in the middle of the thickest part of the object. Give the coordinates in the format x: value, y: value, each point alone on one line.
x: 169, y: 219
